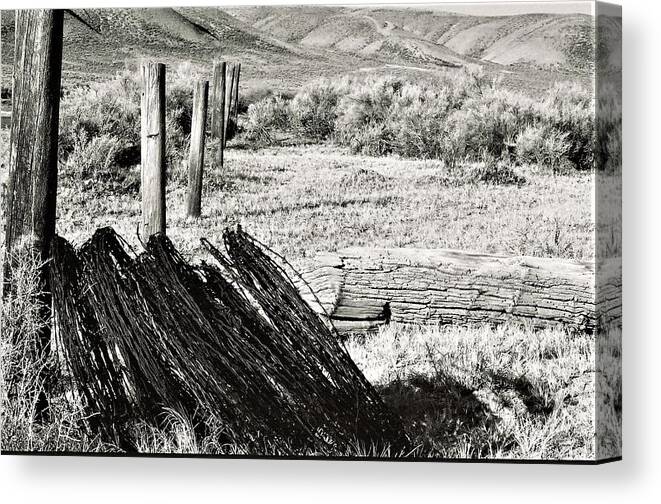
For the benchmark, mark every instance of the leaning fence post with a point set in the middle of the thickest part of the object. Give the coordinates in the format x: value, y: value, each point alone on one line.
x: 196, y: 156
x: 218, y: 109
x: 32, y: 191
x: 152, y: 109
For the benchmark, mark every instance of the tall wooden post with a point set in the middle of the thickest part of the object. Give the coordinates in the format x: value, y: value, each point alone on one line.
x: 228, y: 102
x: 152, y: 109
x: 196, y: 156
x: 218, y: 108
x: 235, y: 99
x: 32, y: 191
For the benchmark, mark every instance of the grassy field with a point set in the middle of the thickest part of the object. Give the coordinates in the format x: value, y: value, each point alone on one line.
x: 309, y: 199
x: 462, y: 392
x: 507, y: 392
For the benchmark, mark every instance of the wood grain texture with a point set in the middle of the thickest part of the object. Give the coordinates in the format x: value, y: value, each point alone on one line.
x: 235, y: 99
x: 229, y: 96
x: 152, y: 186
x: 218, y: 109
x: 32, y: 183
x: 363, y: 288
x: 196, y: 155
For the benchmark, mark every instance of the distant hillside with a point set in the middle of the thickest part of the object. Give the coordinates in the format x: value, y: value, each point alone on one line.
x: 283, y: 47
x: 99, y: 42
x: 543, y: 41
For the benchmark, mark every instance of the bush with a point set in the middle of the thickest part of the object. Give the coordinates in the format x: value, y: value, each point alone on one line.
x: 456, y: 118
x: 110, y: 108
x: 179, y: 106
x: 608, y: 142
x: 569, y: 109
x: 488, y: 120
x: 420, y: 124
x: 91, y: 157
x: 543, y: 146
x: 266, y: 117
x: 314, y: 109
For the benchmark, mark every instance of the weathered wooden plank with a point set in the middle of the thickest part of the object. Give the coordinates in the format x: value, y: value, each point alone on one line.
x: 153, y: 179
x: 196, y: 155
x: 363, y: 288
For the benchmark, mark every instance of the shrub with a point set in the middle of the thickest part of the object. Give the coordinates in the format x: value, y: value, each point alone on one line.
x: 371, y: 139
x: 91, y: 157
x: 254, y: 95
x: 457, y: 119
x: 314, y: 109
x: 543, y: 146
x: 608, y: 142
x: 266, y: 117
x: 370, y: 102
x: 109, y: 108
x: 570, y: 109
x: 420, y: 124
x: 179, y: 106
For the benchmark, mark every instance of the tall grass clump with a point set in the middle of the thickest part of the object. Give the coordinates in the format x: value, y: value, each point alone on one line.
x: 23, y: 363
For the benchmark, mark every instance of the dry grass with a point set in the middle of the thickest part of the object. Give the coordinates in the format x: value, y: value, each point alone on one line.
x: 463, y: 392
x: 478, y: 392
x: 303, y: 200
x: 481, y: 392
x: 22, y: 380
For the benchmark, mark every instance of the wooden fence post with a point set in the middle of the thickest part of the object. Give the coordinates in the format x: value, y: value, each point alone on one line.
x: 32, y: 184
x: 228, y: 102
x: 152, y: 110
x: 196, y: 156
x: 218, y: 108
x: 235, y: 100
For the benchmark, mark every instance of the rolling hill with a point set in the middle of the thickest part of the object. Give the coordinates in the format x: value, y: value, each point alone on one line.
x: 283, y: 47
x: 543, y: 41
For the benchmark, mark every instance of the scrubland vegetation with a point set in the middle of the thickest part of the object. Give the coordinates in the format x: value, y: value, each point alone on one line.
x: 466, y: 117
x: 467, y: 121
x: 459, y: 163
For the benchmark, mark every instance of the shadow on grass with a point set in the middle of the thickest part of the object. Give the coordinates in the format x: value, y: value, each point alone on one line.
x: 445, y: 418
